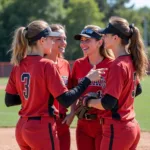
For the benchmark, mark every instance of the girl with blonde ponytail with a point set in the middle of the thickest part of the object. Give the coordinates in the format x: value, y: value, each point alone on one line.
x: 32, y: 83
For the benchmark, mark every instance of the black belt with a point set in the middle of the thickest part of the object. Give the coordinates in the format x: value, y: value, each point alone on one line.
x: 90, y: 116
x: 34, y: 118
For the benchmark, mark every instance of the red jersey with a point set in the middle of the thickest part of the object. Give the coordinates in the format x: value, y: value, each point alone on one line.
x: 33, y: 80
x: 63, y: 68
x: 80, y: 69
x: 121, y: 84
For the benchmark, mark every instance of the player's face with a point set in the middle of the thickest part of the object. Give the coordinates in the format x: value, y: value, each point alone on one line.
x: 108, y: 41
x: 89, y: 45
x: 60, y: 44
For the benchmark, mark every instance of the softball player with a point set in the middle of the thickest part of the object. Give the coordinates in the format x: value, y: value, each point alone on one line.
x: 64, y: 70
x: 89, y: 130
x: 120, y: 129
x: 32, y: 80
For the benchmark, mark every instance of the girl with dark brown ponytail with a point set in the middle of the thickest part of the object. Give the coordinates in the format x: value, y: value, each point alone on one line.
x: 121, y: 131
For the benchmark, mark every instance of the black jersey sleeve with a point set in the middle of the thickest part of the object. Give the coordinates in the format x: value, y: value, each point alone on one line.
x: 69, y: 97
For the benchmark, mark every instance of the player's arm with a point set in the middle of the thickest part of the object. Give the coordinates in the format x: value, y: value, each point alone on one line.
x: 69, y: 97
x: 138, y: 90
x: 108, y: 102
x: 12, y: 99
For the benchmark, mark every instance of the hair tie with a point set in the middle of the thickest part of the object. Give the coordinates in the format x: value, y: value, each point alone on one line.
x: 131, y: 26
x: 26, y: 28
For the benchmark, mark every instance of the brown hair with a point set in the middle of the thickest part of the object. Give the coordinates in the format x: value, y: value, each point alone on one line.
x: 135, y: 44
x: 57, y: 27
x: 20, y: 44
x: 102, y: 51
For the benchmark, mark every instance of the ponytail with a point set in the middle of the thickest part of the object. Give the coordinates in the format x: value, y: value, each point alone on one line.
x: 19, y: 46
x: 136, y: 48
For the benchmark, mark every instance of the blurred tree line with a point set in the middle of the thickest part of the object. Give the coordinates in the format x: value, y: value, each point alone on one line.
x: 74, y: 14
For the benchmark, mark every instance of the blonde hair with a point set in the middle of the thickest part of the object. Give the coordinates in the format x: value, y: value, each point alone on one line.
x: 20, y: 44
x: 135, y: 44
x: 105, y: 53
x: 57, y: 27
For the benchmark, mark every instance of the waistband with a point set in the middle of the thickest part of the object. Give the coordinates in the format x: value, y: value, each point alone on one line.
x: 36, y: 117
x: 88, y: 116
x: 112, y: 121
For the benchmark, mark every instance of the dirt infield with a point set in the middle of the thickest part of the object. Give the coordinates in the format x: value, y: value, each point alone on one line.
x: 8, y: 142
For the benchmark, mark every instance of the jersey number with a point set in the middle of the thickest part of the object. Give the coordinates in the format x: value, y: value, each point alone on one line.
x: 25, y: 79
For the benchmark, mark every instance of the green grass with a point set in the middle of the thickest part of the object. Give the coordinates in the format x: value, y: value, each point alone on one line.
x: 9, y: 115
x: 3, y: 81
x: 142, y: 105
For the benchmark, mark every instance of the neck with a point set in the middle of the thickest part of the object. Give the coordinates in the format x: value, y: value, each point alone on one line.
x: 119, y: 51
x: 95, y: 58
x: 35, y: 51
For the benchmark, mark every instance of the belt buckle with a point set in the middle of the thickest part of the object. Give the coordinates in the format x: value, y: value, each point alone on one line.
x: 86, y: 116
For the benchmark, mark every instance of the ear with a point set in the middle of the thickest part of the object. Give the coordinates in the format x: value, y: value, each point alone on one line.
x: 115, y: 37
x: 42, y: 40
x: 101, y: 42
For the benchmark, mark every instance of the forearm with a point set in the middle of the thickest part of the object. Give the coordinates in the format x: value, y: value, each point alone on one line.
x: 138, y: 90
x: 72, y: 108
x: 68, y: 98
x: 96, y: 103
x: 12, y: 100
x: 108, y: 102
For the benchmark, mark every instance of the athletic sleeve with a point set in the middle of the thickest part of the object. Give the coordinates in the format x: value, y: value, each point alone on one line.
x: 55, y: 84
x: 69, y: 97
x: 138, y: 90
x: 115, y: 81
x: 11, y: 85
x: 12, y: 100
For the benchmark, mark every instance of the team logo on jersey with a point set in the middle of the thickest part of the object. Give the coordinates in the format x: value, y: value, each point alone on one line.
x: 100, y: 83
x: 65, y: 79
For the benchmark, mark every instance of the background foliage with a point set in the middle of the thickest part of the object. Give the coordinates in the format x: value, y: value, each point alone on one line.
x: 74, y: 14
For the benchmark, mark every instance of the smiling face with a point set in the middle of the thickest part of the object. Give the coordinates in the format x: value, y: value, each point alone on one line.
x: 60, y: 43
x: 89, y: 45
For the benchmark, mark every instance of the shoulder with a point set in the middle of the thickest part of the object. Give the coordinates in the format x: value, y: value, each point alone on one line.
x: 122, y: 64
x: 46, y: 61
x: 82, y: 60
x: 107, y: 62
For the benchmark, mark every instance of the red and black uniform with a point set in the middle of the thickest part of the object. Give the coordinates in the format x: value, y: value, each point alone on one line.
x: 63, y: 129
x: 120, y: 129
x: 33, y: 80
x: 89, y: 129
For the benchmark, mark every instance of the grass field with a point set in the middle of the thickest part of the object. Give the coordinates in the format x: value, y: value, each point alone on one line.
x: 9, y: 115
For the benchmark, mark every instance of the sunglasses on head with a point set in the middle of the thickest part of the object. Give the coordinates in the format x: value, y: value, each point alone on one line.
x: 91, y: 33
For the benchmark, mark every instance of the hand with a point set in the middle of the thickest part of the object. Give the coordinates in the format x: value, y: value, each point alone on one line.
x: 80, y: 110
x: 69, y: 118
x: 82, y: 104
x: 95, y: 74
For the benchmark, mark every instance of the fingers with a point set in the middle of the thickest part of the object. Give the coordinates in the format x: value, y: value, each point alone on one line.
x: 64, y: 120
x: 102, y: 69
